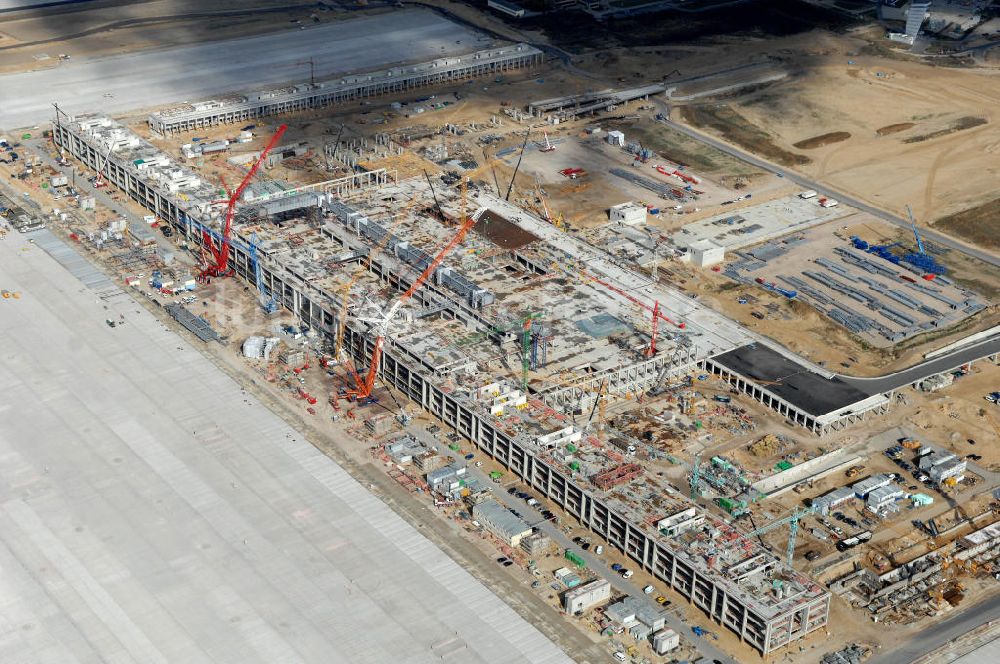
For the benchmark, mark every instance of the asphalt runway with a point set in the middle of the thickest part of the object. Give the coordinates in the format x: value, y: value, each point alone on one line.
x: 153, y: 78
x: 152, y: 512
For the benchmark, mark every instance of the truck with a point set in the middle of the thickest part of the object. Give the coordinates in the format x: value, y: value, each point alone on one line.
x: 851, y: 542
x: 809, y: 193
x: 828, y: 202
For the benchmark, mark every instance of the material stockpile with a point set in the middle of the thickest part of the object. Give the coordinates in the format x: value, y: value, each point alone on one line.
x: 768, y: 446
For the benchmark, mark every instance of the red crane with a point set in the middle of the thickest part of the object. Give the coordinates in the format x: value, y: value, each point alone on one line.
x: 364, y: 387
x: 651, y: 351
x: 656, y: 311
x: 219, y: 265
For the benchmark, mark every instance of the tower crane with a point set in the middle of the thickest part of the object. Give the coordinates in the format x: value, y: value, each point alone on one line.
x: 655, y: 310
x: 793, y: 525
x: 363, y: 387
x: 218, y: 265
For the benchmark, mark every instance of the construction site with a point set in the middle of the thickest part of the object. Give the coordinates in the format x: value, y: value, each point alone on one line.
x: 701, y: 410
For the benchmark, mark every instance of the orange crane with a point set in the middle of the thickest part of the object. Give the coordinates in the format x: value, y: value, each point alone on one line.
x: 362, y: 268
x: 364, y: 386
x: 218, y: 266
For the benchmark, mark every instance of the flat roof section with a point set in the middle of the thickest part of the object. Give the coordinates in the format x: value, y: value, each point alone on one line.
x: 793, y: 382
x: 742, y: 227
x: 151, y: 511
x: 502, y: 232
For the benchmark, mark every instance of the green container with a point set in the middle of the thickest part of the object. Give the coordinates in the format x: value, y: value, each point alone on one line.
x: 575, y: 559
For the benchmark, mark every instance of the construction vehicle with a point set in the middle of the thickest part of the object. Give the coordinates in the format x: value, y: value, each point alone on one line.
x: 701, y: 631
x: 218, y: 264
x: 910, y: 443
x: 548, y: 147
x: 854, y: 471
x: 920, y: 259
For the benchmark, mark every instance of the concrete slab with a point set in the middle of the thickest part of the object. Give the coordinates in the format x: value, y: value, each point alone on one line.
x: 152, y: 511
x: 759, y: 222
x: 149, y: 78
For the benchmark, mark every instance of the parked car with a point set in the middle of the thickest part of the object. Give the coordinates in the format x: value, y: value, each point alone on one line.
x: 585, y: 546
x: 508, y: 563
x: 502, y: 559
x: 660, y: 599
x: 648, y: 590
x: 599, y: 549
x: 626, y: 574
x: 812, y: 555
x: 512, y: 491
x: 617, y: 568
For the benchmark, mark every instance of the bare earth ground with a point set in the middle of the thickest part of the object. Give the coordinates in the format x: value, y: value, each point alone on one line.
x: 920, y: 135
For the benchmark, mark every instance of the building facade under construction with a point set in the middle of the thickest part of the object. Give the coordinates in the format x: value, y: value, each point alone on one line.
x: 509, y: 342
x: 262, y: 103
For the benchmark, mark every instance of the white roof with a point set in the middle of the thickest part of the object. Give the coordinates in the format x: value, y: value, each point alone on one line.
x: 704, y: 245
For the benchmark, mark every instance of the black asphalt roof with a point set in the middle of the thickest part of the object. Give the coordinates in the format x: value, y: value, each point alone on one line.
x: 795, y: 383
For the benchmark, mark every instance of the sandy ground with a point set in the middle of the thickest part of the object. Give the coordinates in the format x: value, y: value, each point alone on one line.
x: 932, y: 165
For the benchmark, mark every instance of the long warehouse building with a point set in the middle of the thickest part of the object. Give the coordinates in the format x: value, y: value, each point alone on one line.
x: 740, y: 597
x: 304, y: 96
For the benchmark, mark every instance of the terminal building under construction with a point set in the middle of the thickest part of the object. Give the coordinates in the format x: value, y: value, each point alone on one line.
x: 510, y: 342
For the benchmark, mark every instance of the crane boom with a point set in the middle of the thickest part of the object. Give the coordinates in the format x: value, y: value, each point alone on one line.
x: 913, y: 225
x: 221, y: 255
x: 634, y: 300
x: 364, y: 389
x: 518, y: 167
x: 651, y: 351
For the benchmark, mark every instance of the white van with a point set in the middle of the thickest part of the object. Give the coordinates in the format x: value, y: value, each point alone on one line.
x: 619, y: 656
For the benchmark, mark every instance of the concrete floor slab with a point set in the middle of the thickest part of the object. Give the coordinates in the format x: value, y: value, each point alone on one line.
x: 152, y: 511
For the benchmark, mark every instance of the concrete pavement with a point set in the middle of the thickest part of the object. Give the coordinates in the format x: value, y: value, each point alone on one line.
x: 937, y: 635
x: 152, y: 511
x: 155, y: 77
x: 949, y: 362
